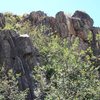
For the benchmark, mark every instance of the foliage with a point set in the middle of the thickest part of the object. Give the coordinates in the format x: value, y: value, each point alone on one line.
x: 12, y: 21
x: 69, y: 73
x: 9, y: 87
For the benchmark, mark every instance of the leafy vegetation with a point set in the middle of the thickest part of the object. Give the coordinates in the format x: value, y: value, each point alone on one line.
x: 69, y: 77
x: 9, y: 87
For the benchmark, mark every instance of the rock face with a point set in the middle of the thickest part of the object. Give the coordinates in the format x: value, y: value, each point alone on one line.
x: 17, y: 53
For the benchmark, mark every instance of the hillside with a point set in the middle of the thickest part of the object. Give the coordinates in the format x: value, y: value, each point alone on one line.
x: 49, y: 58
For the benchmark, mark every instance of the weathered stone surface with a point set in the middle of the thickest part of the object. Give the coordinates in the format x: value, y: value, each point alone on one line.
x: 62, y: 27
x: 71, y: 30
x: 87, y: 20
x: 36, y: 17
x: 2, y: 20
x: 50, y: 23
x: 17, y: 53
x: 60, y: 17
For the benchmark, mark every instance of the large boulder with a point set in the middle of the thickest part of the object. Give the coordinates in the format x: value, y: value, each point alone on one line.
x: 87, y: 20
x: 50, y: 23
x: 36, y: 17
x: 81, y: 30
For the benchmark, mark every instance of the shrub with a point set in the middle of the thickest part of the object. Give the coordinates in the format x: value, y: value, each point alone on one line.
x: 9, y: 87
x: 67, y: 75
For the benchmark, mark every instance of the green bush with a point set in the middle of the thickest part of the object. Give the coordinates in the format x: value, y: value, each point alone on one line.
x: 69, y: 73
x: 9, y: 87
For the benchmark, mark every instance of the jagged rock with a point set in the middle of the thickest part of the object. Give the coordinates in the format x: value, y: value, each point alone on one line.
x: 87, y: 20
x: 71, y: 30
x: 77, y: 23
x: 80, y: 24
x: 62, y: 27
x: 80, y: 29
x: 17, y: 53
x: 2, y: 20
x: 60, y: 17
x: 50, y: 23
x: 36, y: 17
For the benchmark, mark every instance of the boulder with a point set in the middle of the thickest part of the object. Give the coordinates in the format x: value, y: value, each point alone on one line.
x: 87, y: 20
x: 50, y: 23
x: 80, y: 29
x: 77, y: 23
x: 36, y: 17
x: 62, y: 27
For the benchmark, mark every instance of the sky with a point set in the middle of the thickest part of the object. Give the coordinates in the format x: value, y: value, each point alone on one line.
x: 51, y: 7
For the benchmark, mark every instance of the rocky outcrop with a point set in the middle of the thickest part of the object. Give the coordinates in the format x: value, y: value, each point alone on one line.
x: 18, y: 53
x: 79, y: 24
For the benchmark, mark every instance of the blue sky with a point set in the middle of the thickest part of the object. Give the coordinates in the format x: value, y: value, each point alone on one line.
x: 51, y: 7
